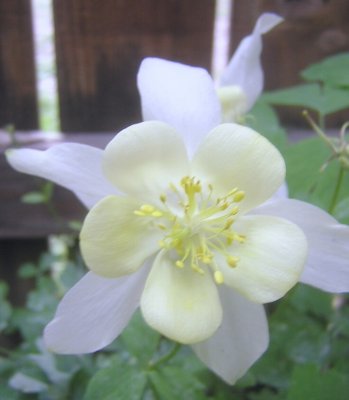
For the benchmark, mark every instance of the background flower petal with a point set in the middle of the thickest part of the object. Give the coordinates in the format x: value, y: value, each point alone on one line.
x: 180, y: 95
x: 327, y: 267
x: 240, y: 340
x: 93, y: 313
x: 143, y: 159
x: 77, y: 167
x: 271, y: 259
x: 282, y: 192
x: 180, y: 303
x: 236, y: 156
x: 114, y: 241
x: 244, y: 69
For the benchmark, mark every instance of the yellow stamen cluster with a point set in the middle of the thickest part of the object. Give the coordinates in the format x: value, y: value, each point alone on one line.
x: 149, y: 211
x: 196, y: 225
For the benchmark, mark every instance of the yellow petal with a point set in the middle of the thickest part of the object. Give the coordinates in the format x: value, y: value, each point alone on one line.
x: 144, y: 158
x: 113, y: 240
x: 236, y: 156
x: 271, y: 259
x: 180, y: 303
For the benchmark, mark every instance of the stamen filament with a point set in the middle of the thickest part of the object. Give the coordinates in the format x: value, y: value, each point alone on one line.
x: 197, y: 226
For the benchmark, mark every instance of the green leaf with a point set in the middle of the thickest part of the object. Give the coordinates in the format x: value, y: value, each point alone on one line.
x: 341, y: 211
x: 332, y: 71
x: 120, y: 381
x: 265, y: 121
x: 304, y: 161
x: 308, y: 300
x: 75, y: 225
x: 267, y: 394
x: 28, y: 270
x: 325, y: 100
x: 309, y: 383
x: 33, y: 198
x: 47, y: 190
x: 140, y: 340
x: 9, y: 394
x: 173, y: 383
x: 299, y: 333
x: 5, y: 307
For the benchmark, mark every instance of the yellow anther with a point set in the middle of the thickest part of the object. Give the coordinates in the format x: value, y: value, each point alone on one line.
x: 224, y: 206
x: 139, y: 213
x: 240, y: 238
x: 229, y: 223
x: 179, y: 264
x: 162, y: 227
x: 185, y: 181
x: 232, y: 261
x: 173, y: 188
x: 234, y: 210
x: 147, y: 208
x: 196, y: 225
x: 240, y: 195
x: 218, y: 277
x: 207, y: 259
x: 162, y: 244
x: 157, y: 214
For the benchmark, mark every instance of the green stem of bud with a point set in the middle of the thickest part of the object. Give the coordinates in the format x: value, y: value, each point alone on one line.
x: 336, y: 190
x: 317, y: 129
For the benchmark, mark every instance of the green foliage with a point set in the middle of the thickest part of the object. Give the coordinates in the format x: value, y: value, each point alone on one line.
x: 323, y: 99
x: 265, y: 120
x: 119, y: 381
x: 332, y: 71
x: 43, y: 196
x: 310, y: 383
x: 341, y: 211
x: 305, y: 177
x: 325, y: 92
x: 5, y: 306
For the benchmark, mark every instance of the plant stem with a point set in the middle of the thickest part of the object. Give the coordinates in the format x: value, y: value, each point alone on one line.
x: 336, y: 190
x: 166, y: 357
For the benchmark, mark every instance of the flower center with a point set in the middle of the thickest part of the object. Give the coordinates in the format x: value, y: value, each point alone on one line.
x: 196, y: 225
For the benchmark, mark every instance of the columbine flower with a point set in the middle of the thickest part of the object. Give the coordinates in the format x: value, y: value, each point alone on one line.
x: 242, y: 80
x: 191, y: 220
x: 181, y: 224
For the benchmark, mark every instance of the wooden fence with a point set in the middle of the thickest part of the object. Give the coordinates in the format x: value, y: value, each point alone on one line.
x: 99, y: 46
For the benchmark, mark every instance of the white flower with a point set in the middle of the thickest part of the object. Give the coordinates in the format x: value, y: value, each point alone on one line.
x: 191, y: 220
x: 242, y: 80
x: 172, y: 198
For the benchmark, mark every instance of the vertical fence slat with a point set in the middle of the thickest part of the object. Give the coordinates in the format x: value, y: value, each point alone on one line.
x: 99, y: 46
x: 18, y: 106
x: 18, y: 100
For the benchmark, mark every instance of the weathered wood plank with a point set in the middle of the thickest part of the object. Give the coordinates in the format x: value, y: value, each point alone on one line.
x: 18, y: 99
x: 100, y: 45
